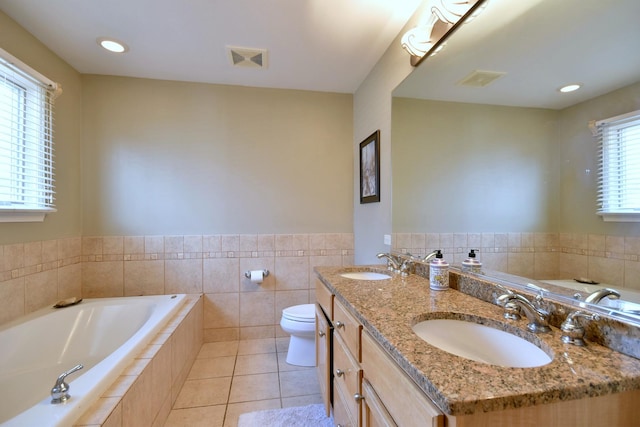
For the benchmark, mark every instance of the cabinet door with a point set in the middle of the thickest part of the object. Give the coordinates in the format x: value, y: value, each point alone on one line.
x: 323, y: 357
x: 402, y: 398
x: 374, y: 414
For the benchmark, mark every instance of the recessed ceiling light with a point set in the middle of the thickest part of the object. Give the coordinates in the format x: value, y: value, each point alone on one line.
x: 570, y: 88
x: 112, y: 45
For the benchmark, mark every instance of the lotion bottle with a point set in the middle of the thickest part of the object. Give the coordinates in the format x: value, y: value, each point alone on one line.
x: 439, y: 273
x: 471, y: 264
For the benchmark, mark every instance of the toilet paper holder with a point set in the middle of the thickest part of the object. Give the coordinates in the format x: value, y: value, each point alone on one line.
x: 247, y: 273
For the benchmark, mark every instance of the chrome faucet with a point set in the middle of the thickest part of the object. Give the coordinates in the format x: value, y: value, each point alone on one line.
x: 393, y: 262
x: 60, y: 391
x: 428, y: 256
x: 538, y: 318
x: 598, y: 295
x: 572, y: 331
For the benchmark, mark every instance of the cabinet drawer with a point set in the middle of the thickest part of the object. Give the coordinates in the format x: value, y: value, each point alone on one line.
x: 324, y: 298
x: 374, y: 414
x: 341, y: 415
x: 346, y: 374
x: 404, y: 401
x: 347, y: 327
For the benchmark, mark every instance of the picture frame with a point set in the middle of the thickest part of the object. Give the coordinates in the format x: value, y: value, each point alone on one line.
x: 370, y: 168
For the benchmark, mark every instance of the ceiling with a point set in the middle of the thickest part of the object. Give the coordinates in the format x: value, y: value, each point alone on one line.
x: 319, y: 45
x: 541, y: 45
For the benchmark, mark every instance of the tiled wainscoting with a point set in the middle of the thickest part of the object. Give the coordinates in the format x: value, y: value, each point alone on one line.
x: 145, y: 392
x: 608, y: 259
x: 35, y: 275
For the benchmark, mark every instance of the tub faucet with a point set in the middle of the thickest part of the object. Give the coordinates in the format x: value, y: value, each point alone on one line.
x: 538, y: 318
x: 60, y: 391
x: 598, y: 295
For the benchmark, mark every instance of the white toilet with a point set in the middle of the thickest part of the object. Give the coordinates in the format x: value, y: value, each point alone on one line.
x: 300, y: 322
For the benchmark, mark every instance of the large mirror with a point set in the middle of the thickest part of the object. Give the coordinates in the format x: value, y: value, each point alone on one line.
x: 484, y: 142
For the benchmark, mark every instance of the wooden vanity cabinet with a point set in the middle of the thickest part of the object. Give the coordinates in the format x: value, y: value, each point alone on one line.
x: 324, y: 343
x: 394, y: 391
x: 347, y: 373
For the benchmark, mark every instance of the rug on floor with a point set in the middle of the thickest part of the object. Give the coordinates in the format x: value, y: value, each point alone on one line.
x: 298, y: 416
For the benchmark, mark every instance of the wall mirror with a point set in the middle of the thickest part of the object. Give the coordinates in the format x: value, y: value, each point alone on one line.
x: 484, y: 141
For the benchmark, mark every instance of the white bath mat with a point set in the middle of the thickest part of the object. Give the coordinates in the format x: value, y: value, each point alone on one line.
x: 299, y: 416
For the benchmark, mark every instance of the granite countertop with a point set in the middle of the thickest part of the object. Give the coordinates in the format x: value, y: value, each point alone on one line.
x: 389, y: 308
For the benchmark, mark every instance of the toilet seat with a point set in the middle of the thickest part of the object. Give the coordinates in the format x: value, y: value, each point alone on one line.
x: 304, y: 313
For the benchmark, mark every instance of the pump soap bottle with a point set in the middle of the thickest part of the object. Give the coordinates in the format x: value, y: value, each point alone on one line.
x: 471, y: 264
x: 438, y: 273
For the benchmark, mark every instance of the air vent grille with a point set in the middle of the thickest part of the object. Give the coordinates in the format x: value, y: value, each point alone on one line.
x: 480, y: 78
x: 247, y: 57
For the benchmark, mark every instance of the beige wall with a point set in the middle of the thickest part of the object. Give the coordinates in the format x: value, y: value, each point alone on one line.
x: 162, y: 157
x: 578, y: 153
x: 67, y: 133
x: 472, y: 168
x: 372, y: 111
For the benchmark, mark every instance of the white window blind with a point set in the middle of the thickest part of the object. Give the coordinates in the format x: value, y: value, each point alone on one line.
x: 27, y: 189
x: 619, y: 171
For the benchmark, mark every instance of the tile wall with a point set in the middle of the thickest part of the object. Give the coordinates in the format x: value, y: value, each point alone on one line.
x: 37, y: 274
x: 607, y: 259
x: 214, y: 265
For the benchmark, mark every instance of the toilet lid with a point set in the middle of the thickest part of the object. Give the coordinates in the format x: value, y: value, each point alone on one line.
x: 300, y: 313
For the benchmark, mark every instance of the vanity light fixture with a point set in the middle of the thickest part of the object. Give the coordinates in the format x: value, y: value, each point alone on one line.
x: 570, y: 88
x: 428, y: 37
x: 112, y: 45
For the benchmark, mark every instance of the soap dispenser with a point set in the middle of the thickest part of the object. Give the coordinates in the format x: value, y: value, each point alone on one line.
x: 438, y: 273
x: 471, y: 264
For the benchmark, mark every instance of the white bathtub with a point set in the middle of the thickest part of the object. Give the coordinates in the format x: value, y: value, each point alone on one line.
x: 102, y: 334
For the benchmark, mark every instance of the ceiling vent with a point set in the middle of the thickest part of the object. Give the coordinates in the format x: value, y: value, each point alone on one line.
x: 479, y: 78
x: 247, y: 57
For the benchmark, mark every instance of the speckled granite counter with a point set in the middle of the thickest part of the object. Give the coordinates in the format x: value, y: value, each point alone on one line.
x: 389, y: 308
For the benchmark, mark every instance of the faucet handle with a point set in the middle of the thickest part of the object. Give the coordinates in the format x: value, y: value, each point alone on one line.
x: 572, y: 331
x: 60, y: 391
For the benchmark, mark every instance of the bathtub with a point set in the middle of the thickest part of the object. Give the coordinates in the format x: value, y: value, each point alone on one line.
x: 103, y: 334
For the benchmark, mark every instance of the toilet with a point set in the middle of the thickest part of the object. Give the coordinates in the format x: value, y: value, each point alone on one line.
x: 299, y: 321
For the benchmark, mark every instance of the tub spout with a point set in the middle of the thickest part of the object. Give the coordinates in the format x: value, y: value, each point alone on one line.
x: 60, y: 391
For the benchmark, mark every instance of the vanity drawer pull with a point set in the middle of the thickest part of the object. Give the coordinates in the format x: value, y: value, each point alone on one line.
x: 339, y: 324
x: 321, y: 334
x: 339, y: 373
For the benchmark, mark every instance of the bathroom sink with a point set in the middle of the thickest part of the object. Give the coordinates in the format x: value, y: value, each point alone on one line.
x: 481, y: 343
x: 365, y: 275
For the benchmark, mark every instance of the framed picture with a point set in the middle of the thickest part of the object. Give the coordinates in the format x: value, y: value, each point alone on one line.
x: 370, y: 168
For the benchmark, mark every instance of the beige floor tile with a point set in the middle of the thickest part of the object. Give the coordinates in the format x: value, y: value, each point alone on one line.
x: 282, y: 344
x: 205, y: 416
x: 299, y: 383
x: 217, y: 349
x: 235, y: 409
x: 211, y: 391
x: 289, y: 402
x: 256, y: 364
x: 213, y: 367
x: 254, y: 387
x: 283, y: 366
x: 257, y: 346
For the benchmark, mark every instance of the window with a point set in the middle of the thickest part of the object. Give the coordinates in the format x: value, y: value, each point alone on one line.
x: 619, y: 170
x: 26, y: 142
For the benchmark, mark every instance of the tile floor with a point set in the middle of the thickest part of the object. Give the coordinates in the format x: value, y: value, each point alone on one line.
x: 230, y: 378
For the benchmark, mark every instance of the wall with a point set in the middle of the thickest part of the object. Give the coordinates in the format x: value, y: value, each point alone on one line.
x: 475, y: 168
x: 164, y: 158
x: 372, y: 111
x: 67, y: 133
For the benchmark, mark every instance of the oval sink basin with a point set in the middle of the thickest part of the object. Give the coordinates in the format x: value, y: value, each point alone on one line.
x: 481, y: 343
x: 365, y: 275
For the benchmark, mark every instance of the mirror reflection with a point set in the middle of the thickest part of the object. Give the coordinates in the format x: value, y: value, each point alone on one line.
x: 488, y: 154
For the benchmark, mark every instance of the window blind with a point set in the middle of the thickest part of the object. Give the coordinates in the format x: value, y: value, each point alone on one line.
x: 26, y: 138
x: 619, y: 167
